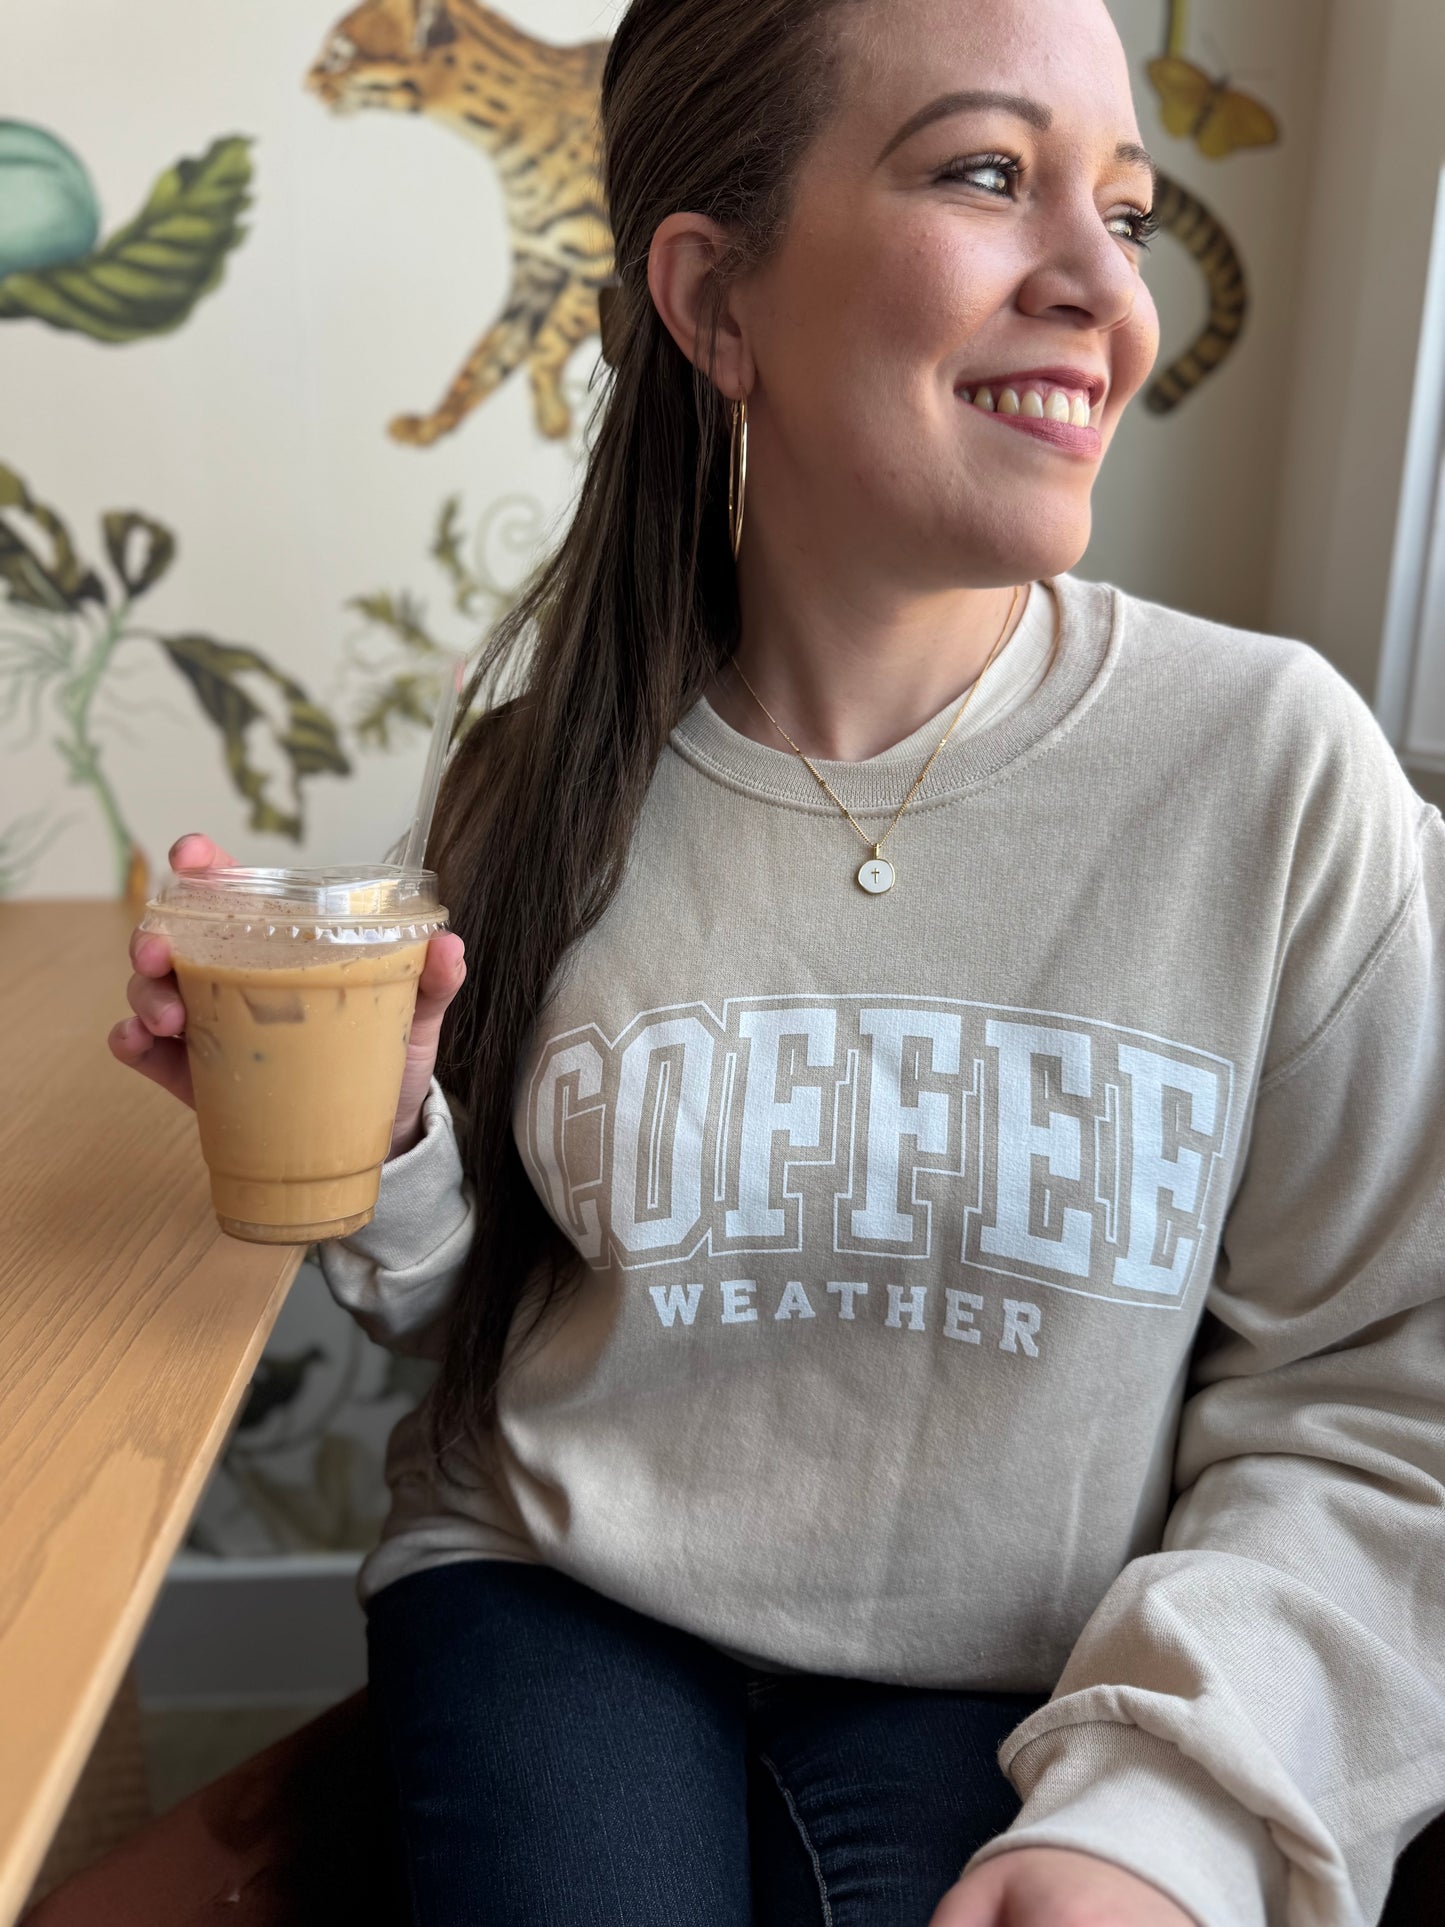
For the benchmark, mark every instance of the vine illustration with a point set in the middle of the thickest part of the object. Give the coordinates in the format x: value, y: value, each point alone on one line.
x: 22, y: 844
x: 61, y: 627
x: 398, y: 688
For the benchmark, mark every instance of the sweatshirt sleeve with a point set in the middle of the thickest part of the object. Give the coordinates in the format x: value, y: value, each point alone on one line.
x: 1253, y: 1718
x: 397, y: 1274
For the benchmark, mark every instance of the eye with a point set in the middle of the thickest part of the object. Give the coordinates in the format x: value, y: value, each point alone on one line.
x: 1011, y: 166
x: 1144, y: 223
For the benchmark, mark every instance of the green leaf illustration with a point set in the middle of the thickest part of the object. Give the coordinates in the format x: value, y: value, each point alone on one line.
x: 396, y: 693
x: 307, y: 737
x: 446, y: 549
x: 402, y: 615
x: 149, y: 275
x: 404, y: 699
x: 156, y: 548
x: 60, y: 582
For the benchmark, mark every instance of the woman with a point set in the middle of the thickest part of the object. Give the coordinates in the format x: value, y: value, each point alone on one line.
x: 951, y: 1056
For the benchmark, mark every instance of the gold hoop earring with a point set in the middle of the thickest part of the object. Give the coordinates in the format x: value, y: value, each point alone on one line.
x: 738, y: 472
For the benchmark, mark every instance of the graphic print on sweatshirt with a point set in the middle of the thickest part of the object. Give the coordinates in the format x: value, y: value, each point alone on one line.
x: 1047, y: 1150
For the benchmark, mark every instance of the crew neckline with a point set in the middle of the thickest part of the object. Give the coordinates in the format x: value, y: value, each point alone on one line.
x: 1087, y: 618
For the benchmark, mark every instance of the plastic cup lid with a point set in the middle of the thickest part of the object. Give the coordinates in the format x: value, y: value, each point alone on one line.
x: 344, y: 893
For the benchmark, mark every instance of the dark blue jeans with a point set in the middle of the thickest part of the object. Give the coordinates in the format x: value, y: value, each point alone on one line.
x: 557, y: 1759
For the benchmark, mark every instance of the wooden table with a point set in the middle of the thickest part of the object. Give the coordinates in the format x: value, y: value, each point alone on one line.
x: 129, y: 1330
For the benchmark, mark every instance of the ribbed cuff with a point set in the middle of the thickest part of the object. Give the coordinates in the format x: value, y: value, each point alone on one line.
x: 421, y: 1200
x: 1123, y: 1795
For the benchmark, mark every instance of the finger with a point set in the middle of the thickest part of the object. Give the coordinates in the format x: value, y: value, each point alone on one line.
x: 162, y: 1059
x: 441, y: 978
x: 972, y: 1906
x: 980, y: 1899
x: 193, y: 851
x: 150, y: 952
x: 158, y: 1004
x: 445, y: 954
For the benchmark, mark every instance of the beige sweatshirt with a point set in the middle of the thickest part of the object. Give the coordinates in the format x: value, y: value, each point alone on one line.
x: 1029, y: 1278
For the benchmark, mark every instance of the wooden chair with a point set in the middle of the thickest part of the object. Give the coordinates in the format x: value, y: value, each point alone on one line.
x: 301, y: 1834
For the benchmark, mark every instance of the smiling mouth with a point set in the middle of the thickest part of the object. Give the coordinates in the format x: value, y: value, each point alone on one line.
x: 1072, y: 428
x: 1035, y: 401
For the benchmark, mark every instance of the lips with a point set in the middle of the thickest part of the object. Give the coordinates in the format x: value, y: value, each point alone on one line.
x: 1077, y: 434
x: 1063, y: 435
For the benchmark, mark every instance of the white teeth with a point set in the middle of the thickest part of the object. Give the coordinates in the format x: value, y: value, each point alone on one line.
x: 1058, y: 407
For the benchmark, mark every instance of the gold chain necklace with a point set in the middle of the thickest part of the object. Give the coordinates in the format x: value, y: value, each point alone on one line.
x: 877, y: 874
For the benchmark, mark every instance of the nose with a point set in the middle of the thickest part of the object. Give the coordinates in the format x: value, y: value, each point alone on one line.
x: 1081, y: 266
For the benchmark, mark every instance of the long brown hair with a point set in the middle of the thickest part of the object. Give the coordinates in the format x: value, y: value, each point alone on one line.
x: 707, y: 106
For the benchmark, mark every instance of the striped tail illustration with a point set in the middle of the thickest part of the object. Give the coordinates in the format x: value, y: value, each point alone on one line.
x: 1185, y: 216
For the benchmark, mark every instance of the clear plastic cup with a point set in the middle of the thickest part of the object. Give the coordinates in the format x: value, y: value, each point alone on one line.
x: 299, y: 988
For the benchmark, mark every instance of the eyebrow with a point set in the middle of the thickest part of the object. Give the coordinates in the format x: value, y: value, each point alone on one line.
x: 1033, y: 111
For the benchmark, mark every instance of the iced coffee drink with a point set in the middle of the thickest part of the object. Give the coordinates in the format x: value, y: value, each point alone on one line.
x: 299, y: 990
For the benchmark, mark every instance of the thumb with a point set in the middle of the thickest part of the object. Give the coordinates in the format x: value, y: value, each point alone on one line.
x: 979, y: 1899
x: 442, y: 977
x: 197, y: 852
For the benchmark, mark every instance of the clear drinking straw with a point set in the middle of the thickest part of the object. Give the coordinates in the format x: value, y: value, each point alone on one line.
x: 410, y: 851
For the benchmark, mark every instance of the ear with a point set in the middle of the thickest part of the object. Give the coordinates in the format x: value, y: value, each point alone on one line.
x: 434, y: 26
x: 681, y: 263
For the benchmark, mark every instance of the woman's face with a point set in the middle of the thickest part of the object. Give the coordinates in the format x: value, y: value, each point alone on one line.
x: 988, y: 242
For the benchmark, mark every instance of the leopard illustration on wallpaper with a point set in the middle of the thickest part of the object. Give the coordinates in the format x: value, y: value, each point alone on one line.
x: 533, y: 108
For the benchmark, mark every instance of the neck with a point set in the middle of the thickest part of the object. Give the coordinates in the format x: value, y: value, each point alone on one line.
x: 848, y: 675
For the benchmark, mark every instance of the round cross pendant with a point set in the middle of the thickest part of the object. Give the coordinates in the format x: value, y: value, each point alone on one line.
x: 876, y: 876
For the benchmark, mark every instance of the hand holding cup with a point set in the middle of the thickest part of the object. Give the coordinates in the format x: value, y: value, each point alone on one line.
x: 152, y: 1041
